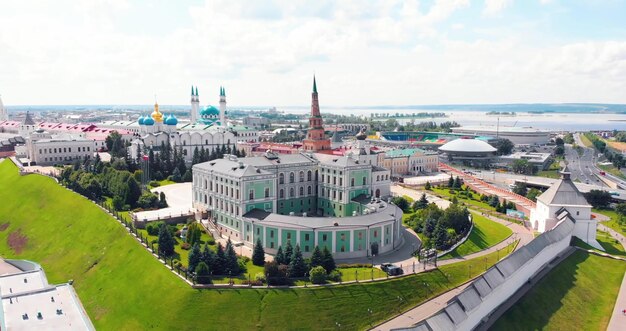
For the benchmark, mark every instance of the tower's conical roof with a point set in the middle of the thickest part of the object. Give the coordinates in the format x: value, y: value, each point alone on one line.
x: 28, y: 120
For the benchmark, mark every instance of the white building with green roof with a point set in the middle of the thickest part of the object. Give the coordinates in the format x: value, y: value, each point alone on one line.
x: 310, y: 199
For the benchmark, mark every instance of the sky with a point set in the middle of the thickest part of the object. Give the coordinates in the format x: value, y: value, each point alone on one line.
x: 265, y: 52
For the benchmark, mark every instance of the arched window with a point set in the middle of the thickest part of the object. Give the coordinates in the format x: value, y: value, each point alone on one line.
x: 309, y: 190
x: 308, y: 175
x: 292, y: 177
x: 291, y: 192
x: 281, y: 193
x: 301, y: 176
x: 301, y: 190
x: 281, y: 178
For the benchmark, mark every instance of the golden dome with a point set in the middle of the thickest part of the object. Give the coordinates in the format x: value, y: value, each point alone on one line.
x: 156, y: 115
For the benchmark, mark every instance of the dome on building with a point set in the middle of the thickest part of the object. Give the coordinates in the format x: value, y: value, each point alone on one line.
x: 148, y: 121
x: 467, y: 146
x: 209, y: 111
x: 156, y: 115
x: 361, y: 135
x: 170, y: 120
x: 140, y: 120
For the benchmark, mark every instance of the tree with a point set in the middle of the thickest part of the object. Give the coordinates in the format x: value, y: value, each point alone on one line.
x: 194, y: 233
x: 532, y: 194
x: 133, y: 193
x: 559, y: 150
x: 232, y: 266
x: 450, y: 182
x: 421, y: 203
x: 620, y: 209
x: 317, y: 259
x: 598, y: 198
x: 457, y: 183
x: 328, y: 262
x: 455, y: 217
x: 115, y: 145
x: 401, y: 202
x: 427, y: 186
x: 258, y: 255
x: 166, y: 241
x: 280, y: 256
x: 503, y: 146
x: 162, y: 201
x: 297, y: 267
x: 220, y: 260
x: 440, y: 237
x: 195, y: 257
x: 276, y: 274
x: 559, y: 141
x: 520, y: 188
x: 288, y: 252
x: 208, y: 256
x: 176, y: 177
x: 202, y: 273
x: 317, y: 275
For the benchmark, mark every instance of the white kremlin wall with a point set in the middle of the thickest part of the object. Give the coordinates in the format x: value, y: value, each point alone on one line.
x: 474, y: 305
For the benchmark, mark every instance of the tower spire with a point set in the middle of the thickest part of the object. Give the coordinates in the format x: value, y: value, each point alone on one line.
x: 314, y: 85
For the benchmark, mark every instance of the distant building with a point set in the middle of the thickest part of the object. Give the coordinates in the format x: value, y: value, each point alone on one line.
x: 4, y: 115
x: 47, y: 149
x: 517, y: 135
x: 541, y: 160
x: 255, y: 121
x: 469, y: 151
x: 410, y: 161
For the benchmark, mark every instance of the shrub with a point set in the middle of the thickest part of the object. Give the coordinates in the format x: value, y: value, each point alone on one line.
x: 354, y: 265
x: 318, y: 275
x: 154, y: 183
x: 211, y: 241
x: 259, y: 277
x: 185, y: 246
x: 252, y: 282
x: 153, y: 228
x: 335, y: 276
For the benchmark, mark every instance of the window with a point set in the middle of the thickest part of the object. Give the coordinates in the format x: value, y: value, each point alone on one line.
x: 322, y: 177
x: 308, y: 175
x: 306, y: 236
x: 360, y: 236
x: 364, y: 180
x: 281, y: 178
x: 301, y: 176
x: 291, y: 192
x: 343, y: 236
x: 334, y: 180
x: 324, y: 237
x: 267, y: 192
x: 272, y: 245
x: 301, y: 190
x: 340, y: 181
x: 309, y: 190
x: 340, y: 195
x: 292, y: 177
x: 375, y: 234
x: 352, y: 182
x: 251, y: 195
x: 343, y: 248
x: 281, y: 193
x: 306, y: 248
x: 272, y: 234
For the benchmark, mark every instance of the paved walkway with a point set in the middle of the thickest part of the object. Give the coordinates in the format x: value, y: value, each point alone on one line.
x: 618, y: 319
x: 178, y: 197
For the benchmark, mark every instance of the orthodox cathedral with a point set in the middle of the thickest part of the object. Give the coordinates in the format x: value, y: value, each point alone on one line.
x: 208, y: 128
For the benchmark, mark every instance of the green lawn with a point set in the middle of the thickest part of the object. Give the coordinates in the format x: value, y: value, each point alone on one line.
x: 613, y: 223
x: 123, y: 287
x: 473, y: 203
x: 579, y: 294
x: 610, y: 245
x: 163, y: 183
x: 552, y: 171
x: 486, y: 233
x: 586, y: 141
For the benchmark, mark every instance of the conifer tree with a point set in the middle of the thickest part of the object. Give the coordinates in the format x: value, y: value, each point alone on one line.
x: 288, y: 252
x: 258, y: 255
x: 166, y: 241
x: 280, y: 256
x: 317, y: 259
x: 232, y: 265
x: 328, y: 262
x: 208, y: 257
x: 220, y: 260
x: 297, y: 267
x: 195, y: 257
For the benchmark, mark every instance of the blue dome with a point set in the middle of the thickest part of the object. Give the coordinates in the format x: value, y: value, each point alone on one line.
x: 171, y: 120
x: 209, y: 111
x: 140, y: 120
x: 148, y: 121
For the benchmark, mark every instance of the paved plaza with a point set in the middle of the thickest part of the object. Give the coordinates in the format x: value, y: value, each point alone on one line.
x: 178, y: 198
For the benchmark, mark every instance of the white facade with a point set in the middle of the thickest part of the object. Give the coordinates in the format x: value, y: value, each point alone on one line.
x: 563, y: 200
x: 518, y: 136
x: 4, y: 115
x: 62, y: 149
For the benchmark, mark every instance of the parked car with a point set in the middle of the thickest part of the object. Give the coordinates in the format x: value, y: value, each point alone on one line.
x: 394, y: 271
x: 385, y: 266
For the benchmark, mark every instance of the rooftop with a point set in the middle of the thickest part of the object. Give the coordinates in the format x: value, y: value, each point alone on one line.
x: 404, y: 152
x: 467, y: 145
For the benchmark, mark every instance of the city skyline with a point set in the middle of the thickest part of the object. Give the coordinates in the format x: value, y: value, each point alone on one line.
x: 266, y: 52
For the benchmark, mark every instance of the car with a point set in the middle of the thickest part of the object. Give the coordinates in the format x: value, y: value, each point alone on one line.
x: 385, y: 266
x: 394, y: 271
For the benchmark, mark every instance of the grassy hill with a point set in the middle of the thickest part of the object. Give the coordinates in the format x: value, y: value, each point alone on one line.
x: 123, y: 287
x: 485, y: 233
x: 579, y: 294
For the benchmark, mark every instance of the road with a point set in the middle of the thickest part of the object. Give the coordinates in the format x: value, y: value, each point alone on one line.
x: 585, y: 165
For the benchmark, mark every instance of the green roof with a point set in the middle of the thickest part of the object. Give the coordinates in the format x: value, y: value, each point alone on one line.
x: 314, y: 85
x: 406, y: 152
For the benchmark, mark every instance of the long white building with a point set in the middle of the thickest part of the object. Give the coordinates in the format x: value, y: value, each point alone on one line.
x: 517, y: 135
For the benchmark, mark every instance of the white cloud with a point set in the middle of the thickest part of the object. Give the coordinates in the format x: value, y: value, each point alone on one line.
x: 494, y: 7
